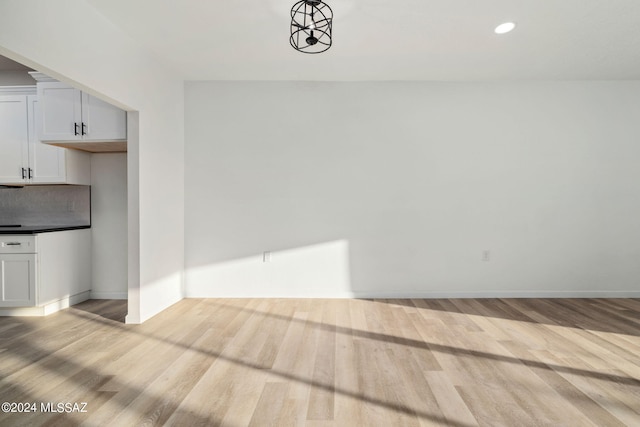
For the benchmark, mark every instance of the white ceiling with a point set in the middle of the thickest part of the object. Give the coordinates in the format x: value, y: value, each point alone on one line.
x: 390, y: 40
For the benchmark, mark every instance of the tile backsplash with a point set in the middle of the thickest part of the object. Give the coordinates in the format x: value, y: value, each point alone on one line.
x: 46, y: 205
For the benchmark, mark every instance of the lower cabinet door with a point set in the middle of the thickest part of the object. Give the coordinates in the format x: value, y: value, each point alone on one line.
x: 17, y: 280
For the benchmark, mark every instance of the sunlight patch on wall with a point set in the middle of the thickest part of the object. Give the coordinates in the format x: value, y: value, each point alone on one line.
x: 320, y: 271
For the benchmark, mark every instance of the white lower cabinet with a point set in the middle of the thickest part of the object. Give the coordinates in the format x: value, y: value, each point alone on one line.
x: 43, y: 273
x: 18, y: 280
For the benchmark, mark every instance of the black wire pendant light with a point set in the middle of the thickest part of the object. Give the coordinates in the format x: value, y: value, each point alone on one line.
x: 311, y: 24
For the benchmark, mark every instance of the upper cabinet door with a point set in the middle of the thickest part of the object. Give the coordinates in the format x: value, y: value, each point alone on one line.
x: 14, y: 147
x: 60, y: 112
x: 47, y: 162
x: 102, y: 121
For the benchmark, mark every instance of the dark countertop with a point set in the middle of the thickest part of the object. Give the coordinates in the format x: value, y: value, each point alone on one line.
x: 36, y: 229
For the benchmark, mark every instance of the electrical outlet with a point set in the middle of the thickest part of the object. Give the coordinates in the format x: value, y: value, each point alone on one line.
x: 486, y: 255
x: 266, y: 256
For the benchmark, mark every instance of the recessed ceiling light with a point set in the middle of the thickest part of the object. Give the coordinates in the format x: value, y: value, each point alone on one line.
x: 504, y: 28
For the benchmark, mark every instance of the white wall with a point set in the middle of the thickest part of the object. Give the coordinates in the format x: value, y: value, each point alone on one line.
x: 72, y: 42
x: 397, y: 189
x: 109, y: 225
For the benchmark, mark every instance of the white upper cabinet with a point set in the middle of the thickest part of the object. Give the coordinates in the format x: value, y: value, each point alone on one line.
x: 61, y: 112
x: 47, y: 163
x: 14, y: 136
x: 26, y: 160
x: 102, y: 121
x: 70, y: 115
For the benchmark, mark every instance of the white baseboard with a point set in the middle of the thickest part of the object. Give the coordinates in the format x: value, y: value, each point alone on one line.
x: 435, y: 294
x: 109, y: 295
x: 48, y: 308
x: 499, y: 294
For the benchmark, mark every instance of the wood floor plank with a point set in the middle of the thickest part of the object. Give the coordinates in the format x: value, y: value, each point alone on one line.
x: 322, y: 399
x: 302, y: 367
x: 166, y: 392
x: 346, y: 403
x: 451, y: 404
x: 270, y: 405
x: 322, y: 362
x: 581, y: 398
x: 556, y: 395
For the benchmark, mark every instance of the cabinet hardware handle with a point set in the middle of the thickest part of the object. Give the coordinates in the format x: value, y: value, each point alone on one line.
x: 13, y: 244
x: 84, y: 132
x: 75, y: 129
x: 24, y: 173
x: 30, y: 173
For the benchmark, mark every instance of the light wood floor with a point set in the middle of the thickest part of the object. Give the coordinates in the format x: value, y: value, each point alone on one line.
x: 282, y: 362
